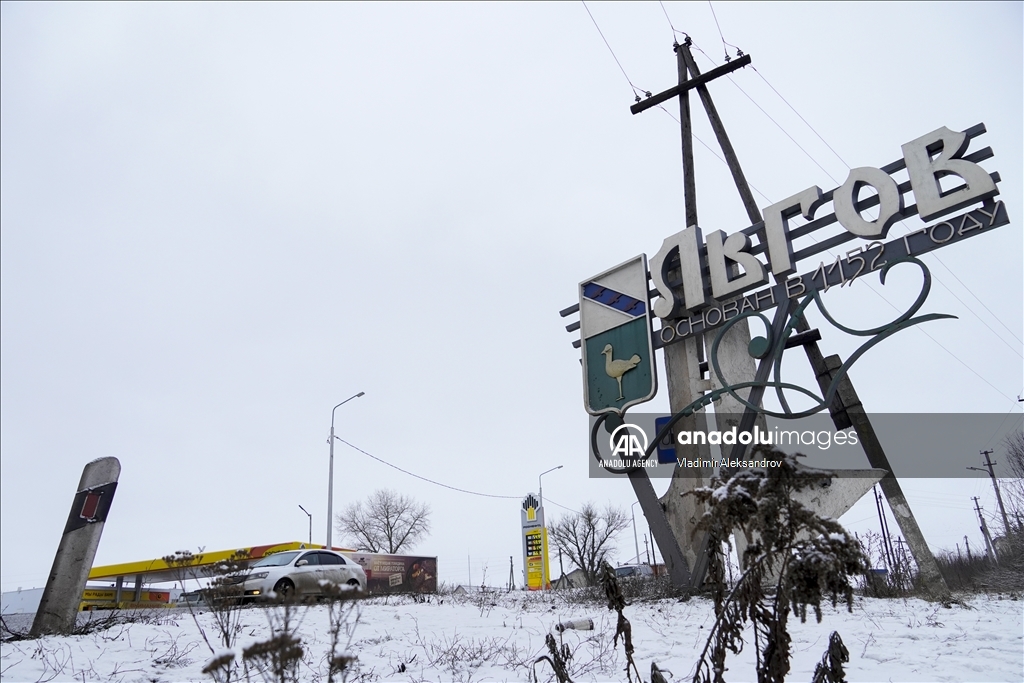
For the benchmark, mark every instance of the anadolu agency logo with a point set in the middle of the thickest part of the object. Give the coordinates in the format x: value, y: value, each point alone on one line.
x: 820, y: 439
x: 628, y: 444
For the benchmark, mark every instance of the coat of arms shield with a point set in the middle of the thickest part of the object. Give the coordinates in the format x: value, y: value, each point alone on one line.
x: 615, y: 330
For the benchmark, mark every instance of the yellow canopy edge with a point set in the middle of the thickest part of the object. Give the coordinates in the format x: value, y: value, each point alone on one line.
x: 158, y: 570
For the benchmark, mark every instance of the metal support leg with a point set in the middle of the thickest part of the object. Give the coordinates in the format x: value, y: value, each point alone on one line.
x: 675, y: 563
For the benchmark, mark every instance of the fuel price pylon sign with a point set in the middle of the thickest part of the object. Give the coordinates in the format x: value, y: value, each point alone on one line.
x: 536, y: 571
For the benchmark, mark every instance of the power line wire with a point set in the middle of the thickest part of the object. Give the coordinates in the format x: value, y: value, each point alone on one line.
x: 714, y: 154
x: 548, y: 500
x: 437, y: 483
x: 806, y: 122
x: 964, y: 304
x: 784, y: 131
x: 964, y: 285
x: 958, y: 359
x: 636, y: 91
x: 925, y: 333
x: 724, y: 44
x: 772, y: 119
x: 674, y: 31
x: 431, y: 481
x: 936, y: 256
x: 1002, y: 422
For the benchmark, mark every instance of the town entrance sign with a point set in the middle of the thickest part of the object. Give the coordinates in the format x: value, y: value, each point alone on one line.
x: 706, y: 289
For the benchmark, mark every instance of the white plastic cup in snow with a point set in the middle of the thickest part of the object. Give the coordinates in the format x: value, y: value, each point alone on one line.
x: 576, y: 625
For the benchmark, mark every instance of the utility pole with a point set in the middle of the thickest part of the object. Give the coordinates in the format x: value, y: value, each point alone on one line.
x: 654, y: 551
x: 901, y: 553
x: 851, y: 412
x: 636, y: 543
x: 544, y: 578
x: 886, y: 539
x: 995, y: 485
x: 673, y: 519
x: 682, y: 365
x: 984, y: 532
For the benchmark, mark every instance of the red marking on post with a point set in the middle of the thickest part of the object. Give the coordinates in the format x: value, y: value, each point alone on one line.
x: 90, y: 505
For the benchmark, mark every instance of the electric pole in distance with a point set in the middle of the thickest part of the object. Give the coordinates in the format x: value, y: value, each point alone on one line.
x: 984, y: 532
x: 995, y: 485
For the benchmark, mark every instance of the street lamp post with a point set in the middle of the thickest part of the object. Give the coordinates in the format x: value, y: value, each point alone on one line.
x: 543, y: 559
x: 636, y: 543
x: 330, y: 474
x: 654, y: 550
x: 310, y: 524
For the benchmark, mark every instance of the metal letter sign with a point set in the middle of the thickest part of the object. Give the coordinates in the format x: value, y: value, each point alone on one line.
x: 682, y: 288
x: 615, y: 325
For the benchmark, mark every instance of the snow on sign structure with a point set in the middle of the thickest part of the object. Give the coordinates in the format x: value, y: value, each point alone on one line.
x: 618, y: 354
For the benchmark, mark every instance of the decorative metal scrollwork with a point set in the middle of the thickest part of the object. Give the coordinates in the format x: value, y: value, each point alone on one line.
x: 761, y: 347
x: 770, y: 348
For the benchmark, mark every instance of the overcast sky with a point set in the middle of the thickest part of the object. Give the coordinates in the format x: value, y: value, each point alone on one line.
x: 220, y: 220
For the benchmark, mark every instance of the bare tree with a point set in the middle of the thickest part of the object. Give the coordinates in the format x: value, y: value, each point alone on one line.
x: 585, y: 537
x: 1013, y: 487
x: 386, y: 522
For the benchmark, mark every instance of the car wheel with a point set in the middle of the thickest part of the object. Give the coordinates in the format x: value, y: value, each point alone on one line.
x: 285, y: 589
x: 355, y: 584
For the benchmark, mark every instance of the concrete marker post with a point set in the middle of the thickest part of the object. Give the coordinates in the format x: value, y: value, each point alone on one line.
x: 58, y: 608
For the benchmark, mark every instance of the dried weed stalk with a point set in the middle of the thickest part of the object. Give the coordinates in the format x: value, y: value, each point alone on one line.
x: 557, y: 657
x: 830, y: 668
x: 277, y: 658
x: 623, y: 628
x: 806, y: 557
x: 223, y: 597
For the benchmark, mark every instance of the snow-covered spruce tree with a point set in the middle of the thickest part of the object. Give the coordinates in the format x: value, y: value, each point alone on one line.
x: 807, y: 559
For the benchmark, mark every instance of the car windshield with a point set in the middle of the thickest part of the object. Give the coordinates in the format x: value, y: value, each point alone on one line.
x: 276, y: 560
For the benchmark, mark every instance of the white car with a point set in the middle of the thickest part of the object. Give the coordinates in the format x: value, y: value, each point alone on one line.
x: 634, y: 571
x: 302, y: 573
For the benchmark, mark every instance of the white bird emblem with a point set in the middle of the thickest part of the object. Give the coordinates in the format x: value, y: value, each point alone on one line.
x: 617, y: 368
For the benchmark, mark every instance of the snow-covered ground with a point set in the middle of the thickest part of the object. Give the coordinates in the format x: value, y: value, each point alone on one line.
x: 498, y: 637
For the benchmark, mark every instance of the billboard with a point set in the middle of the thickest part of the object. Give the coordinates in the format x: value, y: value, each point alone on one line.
x: 397, y: 573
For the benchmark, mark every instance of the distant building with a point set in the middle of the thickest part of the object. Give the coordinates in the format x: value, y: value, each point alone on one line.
x: 20, y: 601
x: 476, y: 590
x: 574, y: 579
